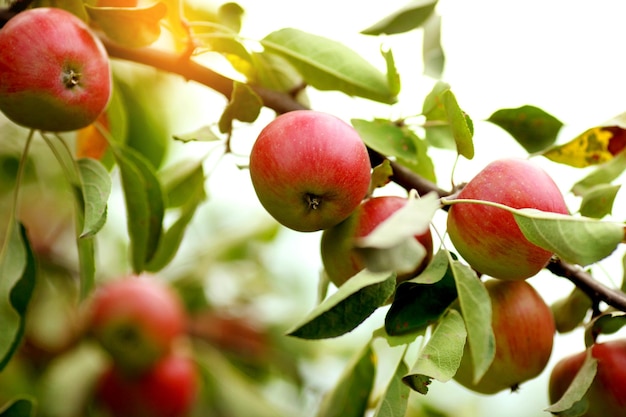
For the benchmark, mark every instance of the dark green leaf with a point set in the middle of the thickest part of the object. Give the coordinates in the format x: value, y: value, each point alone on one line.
x: 608, y: 323
x: 410, y: 17
x: 569, y: 312
x: 351, y: 394
x: 244, y: 105
x: 396, y: 396
x: 344, y: 310
x: 96, y: 187
x: 530, y: 126
x: 441, y: 356
x: 598, y: 201
x: 329, y: 65
x: 418, y: 305
x: 18, y: 273
x: 144, y: 205
x: 21, y: 407
x: 476, y: 309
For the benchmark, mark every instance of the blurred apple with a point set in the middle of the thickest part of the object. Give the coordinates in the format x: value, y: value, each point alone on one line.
x: 339, y: 257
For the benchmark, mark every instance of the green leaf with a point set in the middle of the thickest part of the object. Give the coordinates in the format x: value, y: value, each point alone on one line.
x: 203, y: 134
x: 20, y: 407
x: 530, y: 126
x: 230, y: 14
x: 18, y: 272
x: 602, y: 174
x: 409, y: 17
x: 418, y: 305
x: 394, y: 140
x: 96, y: 188
x: 329, y: 65
x: 432, y: 52
x: 393, y: 77
x: 462, y: 129
x: 573, y: 403
x: 569, y: 312
x: 348, y: 307
x: 351, y: 394
x: 608, y: 323
x: 144, y: 205
x: 577, y: 240
x: 476, y: 309
x: 392, y: 246
x: 441, y: 356
x: 437, y: 128
x: 274, y: 72
x: 395, y: 398
x: 244, y: 105
x: 185, y: 190
x: 134, y: 27
x: 598, y: 201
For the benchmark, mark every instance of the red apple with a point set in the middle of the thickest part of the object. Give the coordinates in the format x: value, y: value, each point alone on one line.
x: 341, y: 261
x: 524, y: 330
x: 136, y: 319
x: 488, y: 238
x: 166, y: 390
x: 54, y: 73
x: 309, y: 169
x: 607, y: 394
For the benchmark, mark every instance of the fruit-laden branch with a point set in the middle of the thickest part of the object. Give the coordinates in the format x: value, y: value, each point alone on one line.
x: 282, y: 103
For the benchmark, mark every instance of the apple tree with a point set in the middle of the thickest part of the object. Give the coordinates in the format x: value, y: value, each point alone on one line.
x: 138, y: 245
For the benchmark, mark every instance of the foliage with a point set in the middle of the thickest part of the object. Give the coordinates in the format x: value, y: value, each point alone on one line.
x: 143, y: 206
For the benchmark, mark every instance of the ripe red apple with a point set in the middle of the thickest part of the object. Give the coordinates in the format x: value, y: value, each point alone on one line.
x: 607, y: 394
x: 54, y: 73
x: 136, y: 319
x: 341, y: 261
x: 524, y: 329
x: 166, y: 390
x: 309, y: 169
x: 488, y: 238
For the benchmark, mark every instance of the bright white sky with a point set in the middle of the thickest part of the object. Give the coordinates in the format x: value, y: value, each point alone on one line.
x: 564, y: 56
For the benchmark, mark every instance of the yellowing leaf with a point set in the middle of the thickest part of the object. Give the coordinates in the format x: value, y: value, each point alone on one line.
x: 592, y: 147
x: 134, y: 27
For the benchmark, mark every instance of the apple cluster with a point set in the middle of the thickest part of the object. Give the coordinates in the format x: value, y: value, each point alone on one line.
x: 54, y: 72
x: 140, y: 321
x: 311, y: 171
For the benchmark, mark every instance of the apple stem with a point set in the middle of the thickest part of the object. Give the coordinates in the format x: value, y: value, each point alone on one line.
x: 313, y: 201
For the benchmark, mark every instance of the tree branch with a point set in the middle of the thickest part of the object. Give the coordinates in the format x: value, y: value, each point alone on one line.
x: 282, y: 103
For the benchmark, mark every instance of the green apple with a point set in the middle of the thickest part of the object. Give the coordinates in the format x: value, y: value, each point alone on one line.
x: 340, y: 258
x: 309, y: 169
x: 488, y: 238
x: 54, y: 72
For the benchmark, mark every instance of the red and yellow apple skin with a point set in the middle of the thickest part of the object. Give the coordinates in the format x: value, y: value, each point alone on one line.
x: 54, y: 73
x: 524, y: 331
x: 341, y: 261
x: 136, y: 319
x: 488, y: 238
x: 169, y: 389
x: 607, y: 394
x: 309, y: 169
